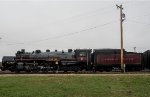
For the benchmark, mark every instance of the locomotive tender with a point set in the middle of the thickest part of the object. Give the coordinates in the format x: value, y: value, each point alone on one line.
x: 77, y: 60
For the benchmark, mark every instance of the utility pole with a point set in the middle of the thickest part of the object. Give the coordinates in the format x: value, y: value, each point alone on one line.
x: 122, y: 18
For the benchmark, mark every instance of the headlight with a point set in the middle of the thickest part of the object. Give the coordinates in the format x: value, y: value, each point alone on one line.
x: 56, y: 62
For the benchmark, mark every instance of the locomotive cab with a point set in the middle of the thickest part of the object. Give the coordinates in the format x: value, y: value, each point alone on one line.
x: 83, y: 56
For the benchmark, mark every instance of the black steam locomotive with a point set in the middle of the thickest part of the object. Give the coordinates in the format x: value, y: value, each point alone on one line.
x: 77, y: 60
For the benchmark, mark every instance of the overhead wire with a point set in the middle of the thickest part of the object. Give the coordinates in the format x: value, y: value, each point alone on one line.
x: 139, y: 16
x: 90, y: 12
x: 101, y: 11
x: 81, y: 15
x: 135, y: 21
x: 87, y: 29
x: 10, y: 43
x: 68, y: 34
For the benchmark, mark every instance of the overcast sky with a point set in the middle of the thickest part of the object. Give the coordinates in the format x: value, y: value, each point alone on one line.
x: 63, y: 24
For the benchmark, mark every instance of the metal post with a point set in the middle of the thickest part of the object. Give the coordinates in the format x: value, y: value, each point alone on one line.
x: 134, y: 49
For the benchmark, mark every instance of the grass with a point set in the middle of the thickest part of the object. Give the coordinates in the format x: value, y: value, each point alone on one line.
x: 75, y: 86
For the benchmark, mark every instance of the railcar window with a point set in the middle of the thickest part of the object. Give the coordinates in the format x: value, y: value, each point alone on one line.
x: 82, y: 54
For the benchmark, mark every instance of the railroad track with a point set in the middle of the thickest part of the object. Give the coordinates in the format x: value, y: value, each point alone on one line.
x: 70, y: 72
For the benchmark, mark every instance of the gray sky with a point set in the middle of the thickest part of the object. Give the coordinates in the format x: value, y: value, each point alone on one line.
x: 64, y: 24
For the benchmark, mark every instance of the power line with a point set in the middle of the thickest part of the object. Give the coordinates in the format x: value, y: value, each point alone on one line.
x: 11, y: 43
x: 101, y: 11
x: 139, y: 22
x: 94, y: 11
x: 139, y: 16
x: 68, y: 34
x: 79, y: 16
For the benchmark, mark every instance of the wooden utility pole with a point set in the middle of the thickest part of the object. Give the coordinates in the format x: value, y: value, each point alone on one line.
x: 122, y: 18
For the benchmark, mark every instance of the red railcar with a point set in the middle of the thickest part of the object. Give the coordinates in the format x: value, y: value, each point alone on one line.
x: 108, y: 59
x: 104, y: 60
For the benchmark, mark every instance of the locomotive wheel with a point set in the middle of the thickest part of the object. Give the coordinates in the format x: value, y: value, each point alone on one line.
x: 76, y: 71
x: 17, y: 71
x: 12, y: 70
x: 27, y: 68
x: 45, y: 67
x: 2, y: 69
x: 36, y: 70
x: 65, y: 71
x: 57, y: 68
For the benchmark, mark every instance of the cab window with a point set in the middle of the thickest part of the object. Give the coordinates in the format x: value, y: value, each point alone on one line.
x: 82, y: 54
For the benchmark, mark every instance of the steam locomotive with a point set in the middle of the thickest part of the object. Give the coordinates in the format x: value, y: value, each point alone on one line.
x: 77, y: 60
